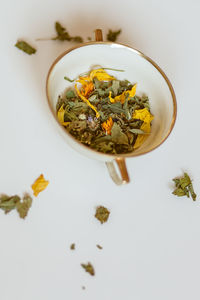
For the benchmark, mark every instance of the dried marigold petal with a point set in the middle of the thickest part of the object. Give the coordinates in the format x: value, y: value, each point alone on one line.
x: 39, y: 185
x: 87, y: 88
x: 143, y: 115
x: 87, y: 101
x: 101, y: 75
x: 147, y: 117
x: 121, y: 98
x: 107, y: 125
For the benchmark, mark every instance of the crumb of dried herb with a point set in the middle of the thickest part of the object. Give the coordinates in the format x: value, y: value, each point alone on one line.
x: 24, y: 206
x: 24, y: 46
x: 184, y: 187
x: 72, y: 247
x: 63, y: 35
x: 102, y: 214
x: 99, y: 246
x: 83, y: 287
x: 113, y: 35
x: 88, y: 268
x: 8, y: 203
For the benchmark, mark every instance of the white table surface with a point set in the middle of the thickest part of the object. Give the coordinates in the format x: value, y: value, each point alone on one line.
x: 151, y: 243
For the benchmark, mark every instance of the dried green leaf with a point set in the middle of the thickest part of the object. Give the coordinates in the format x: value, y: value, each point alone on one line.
x: 24, y: 206
x: 70, y: 94
x: 137, y: 131
x: 113, y: 35
x: 179, y: 192
x: 63, y: 35
x: 99, y: 246
x: 102, y: 214
x: 8, y: 203
x: 72, y: 247
x: 117, y: 135
x: 115, y: 87
x: 89, y: 268
x: 184, y: 187
x: 191, y: 190
x: 68, y: 79
x: 24, y: 46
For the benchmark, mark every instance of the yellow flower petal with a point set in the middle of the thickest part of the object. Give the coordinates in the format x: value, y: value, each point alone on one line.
x: 87, y: 101
x: 147, y: 117
x: 101, y: 75
x: 143, y: 115
x: 121, y: 98
x: 132, y: 92
x: 39, y: 185
x: 60, y: 115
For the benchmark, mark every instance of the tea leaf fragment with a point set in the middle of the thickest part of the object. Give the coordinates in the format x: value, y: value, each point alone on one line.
x: 99, y: 247
x: 8, y: 203
x: 88, y: 268
x: 102, y: 214
x: 63, y: 35
x: 184, y: 187
x: 24, y: 46
x: 24, y: 206
x: 113, y: 35
x: 72, y: 246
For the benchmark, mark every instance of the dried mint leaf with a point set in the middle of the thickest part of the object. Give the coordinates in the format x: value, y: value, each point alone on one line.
x: 117, y: 135
x: 102, y: 214
x: 184, y: 187
x: 63, y: 35
x: 8, y: 203
x: 113, y: 35
x: 88, y: 268
x: 24, y: 46
x: 72, y: 247
x: 24, y: 206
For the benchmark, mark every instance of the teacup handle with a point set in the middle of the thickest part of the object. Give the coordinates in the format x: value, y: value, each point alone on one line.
x: 122, y: 168
x: 120, y: 161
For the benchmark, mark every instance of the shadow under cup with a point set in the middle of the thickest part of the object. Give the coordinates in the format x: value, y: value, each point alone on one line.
x: 138, y: 68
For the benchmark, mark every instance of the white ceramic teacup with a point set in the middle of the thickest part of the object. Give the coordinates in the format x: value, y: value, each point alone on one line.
x: 138, y: 68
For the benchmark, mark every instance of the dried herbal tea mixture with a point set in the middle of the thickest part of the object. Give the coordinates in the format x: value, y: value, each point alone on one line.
x: 105, y: 113
x: 184, y: 187
x: 88, y: 268
x: 102, y: 214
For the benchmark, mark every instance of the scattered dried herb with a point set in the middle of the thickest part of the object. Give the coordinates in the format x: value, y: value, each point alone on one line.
x: 72, y: 247
x: 63, y: 35
x: 100, y: 247
x: 39, y: 185
x: 113, y: 35
x: 184, y: 187
x: 83, y: 287
x: 8, y: 203
x: 105, y: 113
x: 102, y: 214
x: 24, y: 206
x: 24, y: 46
x: 88, y: 268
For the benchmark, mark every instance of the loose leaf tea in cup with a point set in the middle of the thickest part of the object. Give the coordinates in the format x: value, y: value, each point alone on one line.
x: 105, y: 113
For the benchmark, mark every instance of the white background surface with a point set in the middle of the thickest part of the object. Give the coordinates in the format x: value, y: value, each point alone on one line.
x: 151, y: 243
